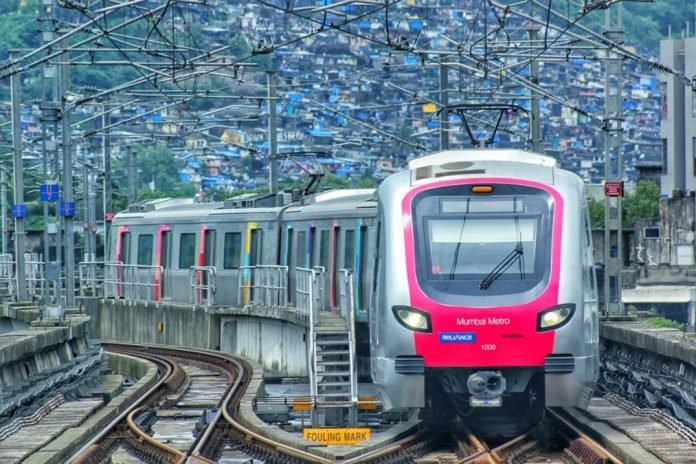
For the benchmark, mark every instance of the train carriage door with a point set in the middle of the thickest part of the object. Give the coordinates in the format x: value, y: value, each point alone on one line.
x: 289, y: 261
x: 206, y: 260
x: 162, y: 262
x: 324, y: 262
x: 122, y: 259
x: 231, y: 263
x: 349, y: 259
x: 252, y: 258
x: 335, y: 266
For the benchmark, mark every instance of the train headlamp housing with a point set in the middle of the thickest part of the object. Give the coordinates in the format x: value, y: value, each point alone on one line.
x: 412, y: 318
x: 555, y: 317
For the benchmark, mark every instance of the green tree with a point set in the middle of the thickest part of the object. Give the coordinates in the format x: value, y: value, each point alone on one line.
x: 596, y: 208
x: 644, y: 203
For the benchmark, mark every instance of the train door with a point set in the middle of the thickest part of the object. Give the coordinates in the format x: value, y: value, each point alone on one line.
x: 334, y: 265
x: 324, y: 263
x: 180, y: 289
x: 144, y: 271
x: 163, y: 262
x: 289, y: 261
x: 253, y: 258
x: 206, y: 260
x: 122, y: 260
x: 362, y: 276
x: 349, y: 258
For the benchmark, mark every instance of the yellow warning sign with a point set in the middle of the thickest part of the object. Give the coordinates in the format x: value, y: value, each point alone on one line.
x: 429, y: 108
x: 337, y: 436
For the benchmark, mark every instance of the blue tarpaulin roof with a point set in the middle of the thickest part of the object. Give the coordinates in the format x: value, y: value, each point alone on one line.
x: 320, y: 133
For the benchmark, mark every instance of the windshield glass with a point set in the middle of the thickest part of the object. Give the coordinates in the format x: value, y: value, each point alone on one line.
x: 471, y: 248
x: 482, y: 245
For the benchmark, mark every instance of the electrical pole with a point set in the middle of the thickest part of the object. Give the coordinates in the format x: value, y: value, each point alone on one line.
x: 534, y: 77
x: 3, y: 194
x: 132, y: 175
x: 272, y: 133
x: 613, y: 167
x: 444, y: 101
x: 68, y: 201
x: 18, y: 178
x: 50, y: 114
x: 106, y: 123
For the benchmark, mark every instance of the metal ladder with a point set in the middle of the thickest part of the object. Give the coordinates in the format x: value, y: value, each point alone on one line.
x: 335, y: 384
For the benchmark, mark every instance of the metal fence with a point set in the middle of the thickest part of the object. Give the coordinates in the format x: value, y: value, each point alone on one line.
x: 263, y: 286
x: 132, y: 281
x: 202, y: 285
x: 306, y: 298
x: 90, y: 278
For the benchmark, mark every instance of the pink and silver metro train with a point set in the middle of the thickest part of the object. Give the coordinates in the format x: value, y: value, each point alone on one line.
x: 473, y: 275
x: 485, y: 295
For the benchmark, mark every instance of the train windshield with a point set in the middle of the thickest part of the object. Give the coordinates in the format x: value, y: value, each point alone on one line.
x: 474, y: 245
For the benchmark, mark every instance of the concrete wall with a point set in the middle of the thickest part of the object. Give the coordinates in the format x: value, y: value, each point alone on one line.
x: 272, y: 337
x: 280, y: 347
x: 673, y: 120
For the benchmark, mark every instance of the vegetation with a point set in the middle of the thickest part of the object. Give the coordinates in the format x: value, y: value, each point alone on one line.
x: 664, y: 323
x: 644, y: 203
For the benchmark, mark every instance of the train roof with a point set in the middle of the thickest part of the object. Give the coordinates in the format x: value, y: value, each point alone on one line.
x: 348, y: 200
x: 257, y: 204
x: 474, y: 162
x: 444, y: 158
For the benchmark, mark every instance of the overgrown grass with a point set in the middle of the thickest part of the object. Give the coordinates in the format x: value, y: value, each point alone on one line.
x: 664, y: 323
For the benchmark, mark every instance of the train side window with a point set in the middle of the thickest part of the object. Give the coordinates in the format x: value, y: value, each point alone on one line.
x: 375, y: 269
x: 324, y: 249
x: 233, y: 250
x: 362, y: 270
x: 301, y: 255
x: 145, y: 250
x: 349, y: 247
x: 166, y: 249
x: 187, y: 250
x: 256, y: 247
x: 310, y: 247
x: 288, y: 248
x: 125, y: 248
x: 209, y: 251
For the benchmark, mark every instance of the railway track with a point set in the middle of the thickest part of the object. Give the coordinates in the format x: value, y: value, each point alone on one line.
x: 191, y: 415
x: 191, y: 383
x: 459, y: 445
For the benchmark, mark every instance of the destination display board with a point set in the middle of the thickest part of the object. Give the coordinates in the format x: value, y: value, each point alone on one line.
x: 337, y: 436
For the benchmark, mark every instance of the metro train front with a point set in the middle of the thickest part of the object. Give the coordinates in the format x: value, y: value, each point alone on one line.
x: 486, y: 297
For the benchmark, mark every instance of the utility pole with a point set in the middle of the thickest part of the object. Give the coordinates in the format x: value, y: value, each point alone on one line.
x: 106, y: 123
x: 132, y: 175
x: 86, y: 207
x: 50, y: 114
x: 272, y: 133
x: 18, y: 178
x: 444, y: 101
x: 613, y: 167
x: 68, y: 201
x: 534, y: 77
x: 3, y: 195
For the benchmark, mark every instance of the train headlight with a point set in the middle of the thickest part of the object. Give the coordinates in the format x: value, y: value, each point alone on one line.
x: 412, y: 318
x: 555, y: 317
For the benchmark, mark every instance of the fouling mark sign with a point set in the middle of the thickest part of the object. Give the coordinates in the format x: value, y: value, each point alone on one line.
x: 337, y: 436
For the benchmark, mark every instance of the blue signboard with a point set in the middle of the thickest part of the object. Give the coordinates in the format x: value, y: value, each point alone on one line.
x: 50, y: 192
x: 67, y: 209
x: 19, y: 210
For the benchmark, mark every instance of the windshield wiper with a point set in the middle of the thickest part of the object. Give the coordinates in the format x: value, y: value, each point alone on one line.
x: 502, y: 266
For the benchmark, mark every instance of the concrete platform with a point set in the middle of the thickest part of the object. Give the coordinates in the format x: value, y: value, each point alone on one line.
x: 670, y: 343
x: 616, y: 442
